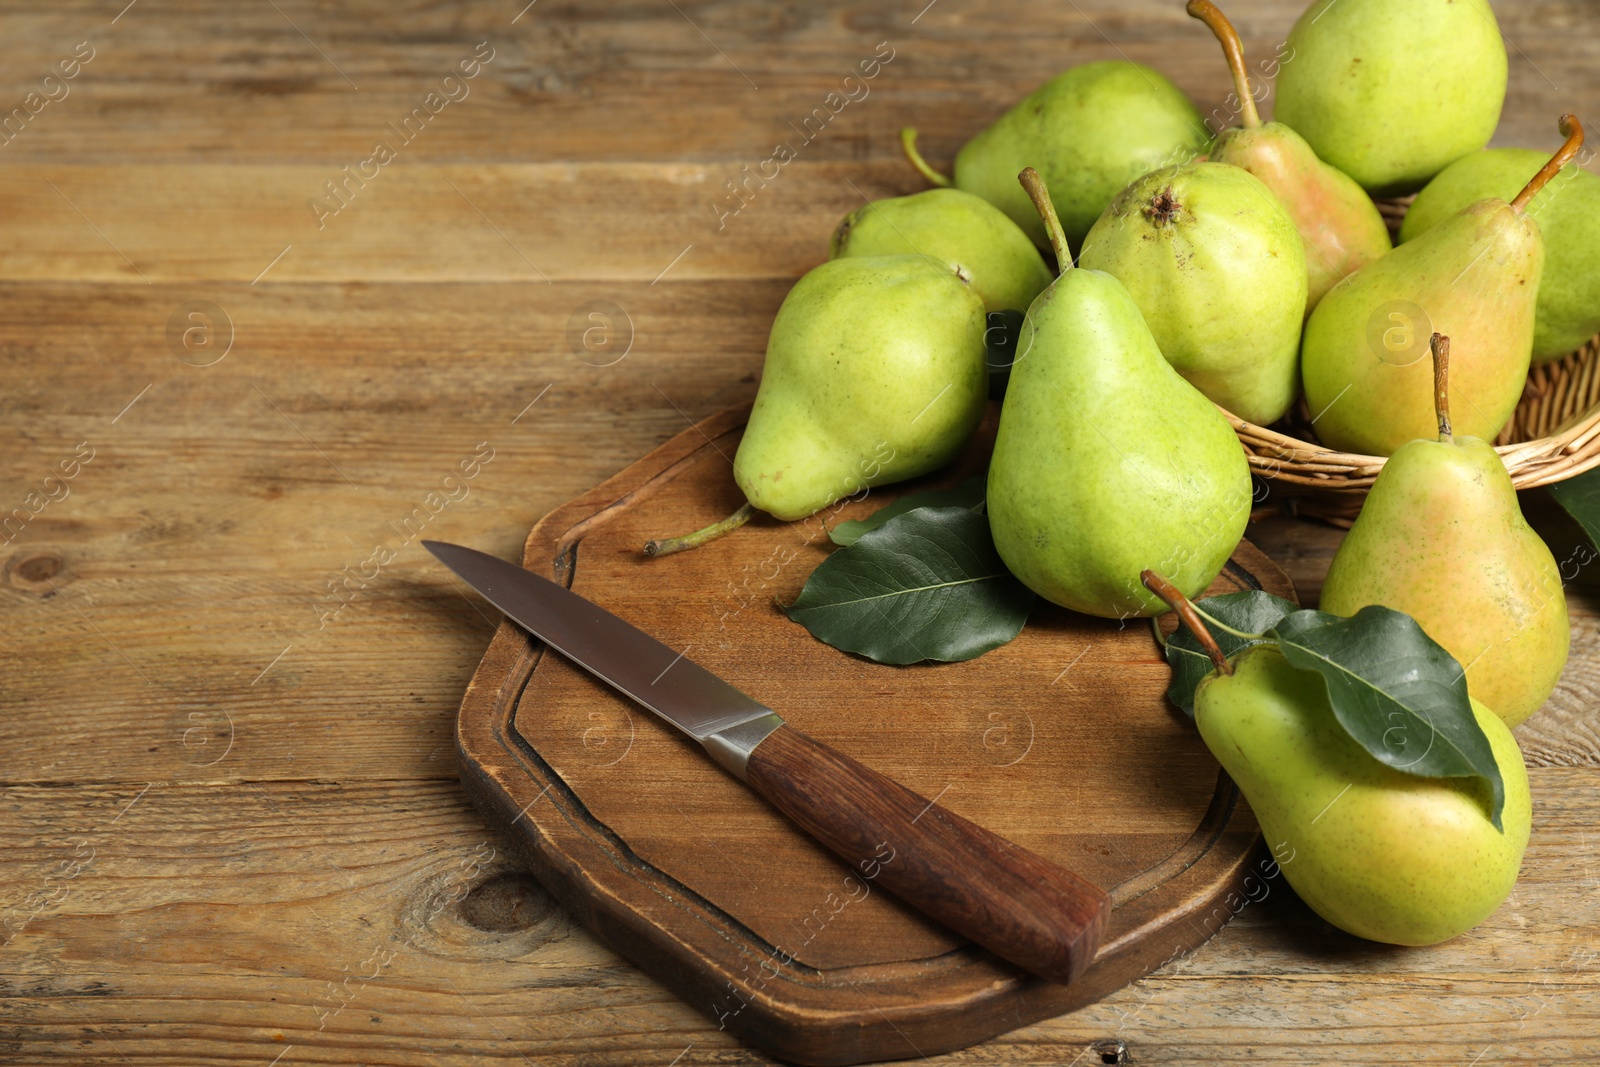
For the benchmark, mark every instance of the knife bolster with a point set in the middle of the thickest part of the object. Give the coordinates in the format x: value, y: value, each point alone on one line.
x: 732, y: 745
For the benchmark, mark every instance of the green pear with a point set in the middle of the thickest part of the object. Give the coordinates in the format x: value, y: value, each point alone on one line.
x: 1474, y: 278
x: 1393, y: 91
x: 1106, y: 461
x: 875, y: 373
x: 1380, y: 853
x: 1442, y: 538
x: 1339, y: 223
x: 1568, y: 212
x: 1218, y: 271
x: 972, y: 236
x: 1089, y: 131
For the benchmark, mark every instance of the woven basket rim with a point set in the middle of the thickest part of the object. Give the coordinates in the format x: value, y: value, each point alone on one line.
x: 1543, y: 461
x: 1570, y: 449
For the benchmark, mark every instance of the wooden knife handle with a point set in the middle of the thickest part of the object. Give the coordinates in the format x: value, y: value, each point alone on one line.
x: 1015, y: 904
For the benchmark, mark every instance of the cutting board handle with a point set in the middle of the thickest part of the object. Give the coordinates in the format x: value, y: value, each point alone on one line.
x: 1014, y: 903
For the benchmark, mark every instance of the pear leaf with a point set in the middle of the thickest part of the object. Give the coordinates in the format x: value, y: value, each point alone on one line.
x: 969, y: 494
x: 926, y: 585
x: 1396, y: 692
x: 1252, y: 611
x: 1581, y: 497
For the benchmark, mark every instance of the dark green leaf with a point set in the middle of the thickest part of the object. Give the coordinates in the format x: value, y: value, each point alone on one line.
x: 1396, y: 692
x: 927, y: 585
x: 1581, y: 497
x: 969, y: 494
x: 1253, y: 611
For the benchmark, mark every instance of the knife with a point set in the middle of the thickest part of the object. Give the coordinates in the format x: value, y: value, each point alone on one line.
x: 1014, y: 903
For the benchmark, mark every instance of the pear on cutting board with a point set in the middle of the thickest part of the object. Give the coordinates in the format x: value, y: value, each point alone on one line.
x: 1106, y: 461
x: 972, y: 236
x: 1442, y: 538
x: 1474, y: 278
x: 1393, y: 91
x: 1219, y: 273
x: 875, y: 373
x: 1567, y: 210
x: 1088, y: 131
x: 1341, y: 226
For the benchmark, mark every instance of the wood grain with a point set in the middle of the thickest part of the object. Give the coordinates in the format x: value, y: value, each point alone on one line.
x: 714, y: 80
x: 214, y: 918
x: 142, y: 617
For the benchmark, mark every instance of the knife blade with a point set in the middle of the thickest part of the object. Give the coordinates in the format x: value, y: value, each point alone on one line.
x: 1018, y: 905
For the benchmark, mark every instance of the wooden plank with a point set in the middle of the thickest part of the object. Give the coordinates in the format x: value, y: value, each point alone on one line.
x: 210, y: 932
x: 218, y: 923
x: 173, y: 603
x: 706, y: 82
x: 532, y: 224
x: 377, y: 383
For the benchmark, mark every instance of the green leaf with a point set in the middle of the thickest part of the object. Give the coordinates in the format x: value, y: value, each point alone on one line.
x: 1581, y: 497
x: 1252, y: 611
x: 969, y: 494
x: 926, y: 585
x: 1396, y: 692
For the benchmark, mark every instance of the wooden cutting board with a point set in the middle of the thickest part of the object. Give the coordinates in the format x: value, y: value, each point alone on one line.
x: 1061, y: 741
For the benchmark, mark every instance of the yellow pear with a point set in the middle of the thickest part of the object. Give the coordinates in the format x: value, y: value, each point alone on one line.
x: 1441, y: 538
x: 1383, y: 854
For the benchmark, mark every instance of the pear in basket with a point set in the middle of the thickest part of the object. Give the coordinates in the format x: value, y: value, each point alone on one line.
x: 1475, y: 279
x: 1219, y: 273
x: 1393, y: 91
x: 1568, y: 214
x: 1339, y: 223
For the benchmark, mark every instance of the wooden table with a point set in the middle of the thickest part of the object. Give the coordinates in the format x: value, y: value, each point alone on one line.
x: 232, y: 827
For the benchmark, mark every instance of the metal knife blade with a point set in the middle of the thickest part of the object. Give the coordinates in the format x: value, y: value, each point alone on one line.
x: 1019, y: 906
x: 663, y: 679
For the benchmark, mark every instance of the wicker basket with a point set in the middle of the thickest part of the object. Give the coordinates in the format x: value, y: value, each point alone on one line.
x: 1554, y: 434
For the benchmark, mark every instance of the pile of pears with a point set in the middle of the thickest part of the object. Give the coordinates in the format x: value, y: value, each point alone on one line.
x: 1245, y: 274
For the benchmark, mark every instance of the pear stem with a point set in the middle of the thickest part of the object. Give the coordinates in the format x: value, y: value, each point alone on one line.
x: 1212, y: 16
x: 667, y: 546
x: 1191, y: 618
x: 1572, y: 130
x: 908, y: 143
x: 1440, y: 345
x: 1047, y: 211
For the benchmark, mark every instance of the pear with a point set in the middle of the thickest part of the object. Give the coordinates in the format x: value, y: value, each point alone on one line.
x: 1106, y: 461
x: 1474, y: 278
x: 875, y: 373
x: 972, y: 236
x: 1393, y: 91
x: 1339, y: 223
x: 1441, y: 538
x: 1379, y: 853
x: 1219, y: 273
x: 1568, y: 212
x: 1089, y: 131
